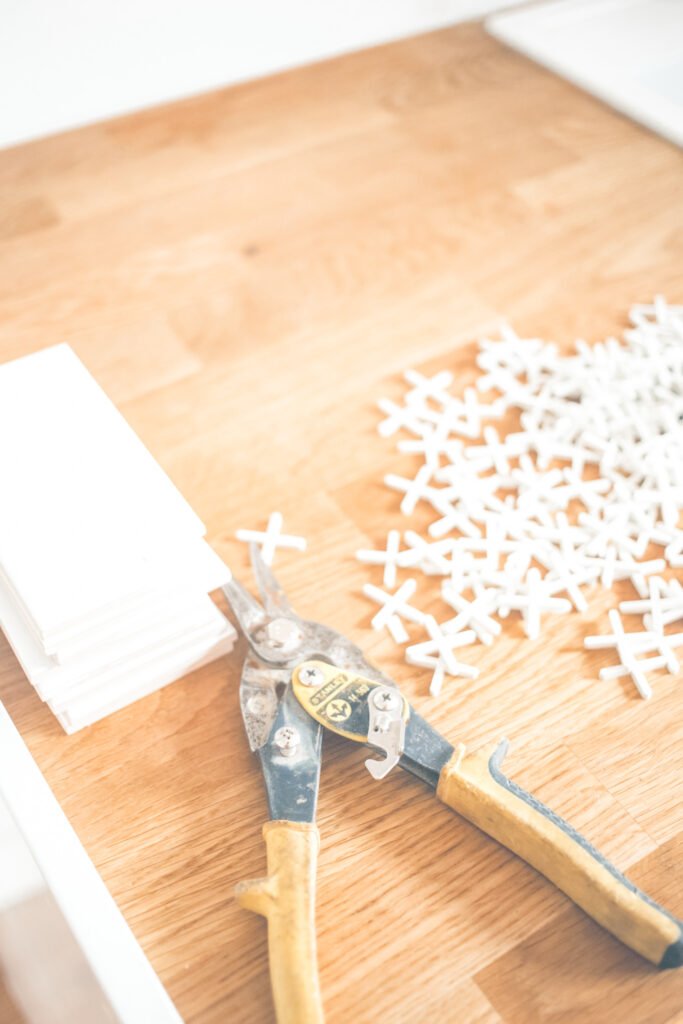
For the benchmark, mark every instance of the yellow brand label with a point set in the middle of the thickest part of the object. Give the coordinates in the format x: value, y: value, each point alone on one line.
x: 337, y: 699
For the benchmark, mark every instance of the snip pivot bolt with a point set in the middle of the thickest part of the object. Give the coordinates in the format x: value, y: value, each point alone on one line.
x: 386, y: 700
x: 286, y: 740
x: 311, y: 676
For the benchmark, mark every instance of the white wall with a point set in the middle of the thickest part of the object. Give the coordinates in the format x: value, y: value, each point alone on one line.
x: 65, y: 63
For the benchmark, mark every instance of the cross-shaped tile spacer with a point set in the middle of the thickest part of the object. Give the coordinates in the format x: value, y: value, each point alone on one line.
x: 435, y: 442
x: 395, y: 608
x: 272, y: 538
x: 434, y: 388
x: 389, y: 557
x: 418, y: 489
x: 474, y: 614
x: 629, y: 647
x: 663, y: 606
x: 494, y: 453
x: 532, y: 600
x: 399, y: 417
x: 437, y: 653
x: 431, y: 556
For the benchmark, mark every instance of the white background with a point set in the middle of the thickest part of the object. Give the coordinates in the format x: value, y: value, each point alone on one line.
x: 65, y: 63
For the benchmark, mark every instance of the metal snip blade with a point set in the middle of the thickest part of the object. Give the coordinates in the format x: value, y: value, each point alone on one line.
x: 246, y: 608
x: 272, y: 594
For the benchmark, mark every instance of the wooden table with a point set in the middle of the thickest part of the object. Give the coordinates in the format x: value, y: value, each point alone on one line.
x: 246, y: 273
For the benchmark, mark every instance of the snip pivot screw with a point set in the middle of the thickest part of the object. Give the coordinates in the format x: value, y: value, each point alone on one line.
x: 385, y: 700
x: 286, y: 740
x: 283, y: 634
x: 311, y: 676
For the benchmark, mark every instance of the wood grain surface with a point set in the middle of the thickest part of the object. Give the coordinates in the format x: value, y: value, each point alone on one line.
x: 245, y: 273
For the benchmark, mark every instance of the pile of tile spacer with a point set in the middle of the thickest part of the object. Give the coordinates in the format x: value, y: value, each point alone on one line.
x: 589, y: 479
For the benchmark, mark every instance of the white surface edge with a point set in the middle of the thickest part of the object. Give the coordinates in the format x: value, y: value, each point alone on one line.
x: 117, y: 960
x: 632, y: 100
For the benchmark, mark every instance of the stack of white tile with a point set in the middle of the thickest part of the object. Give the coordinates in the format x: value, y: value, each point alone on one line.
x: 104, y: 573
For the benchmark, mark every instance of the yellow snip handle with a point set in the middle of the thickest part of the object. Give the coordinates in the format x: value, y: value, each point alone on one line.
x: 287, y: 899
x: 474, y: 786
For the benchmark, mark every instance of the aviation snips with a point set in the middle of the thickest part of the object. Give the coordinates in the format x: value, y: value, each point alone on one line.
x: 301, y: 677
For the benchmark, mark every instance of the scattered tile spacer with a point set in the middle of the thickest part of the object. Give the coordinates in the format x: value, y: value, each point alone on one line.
x: 271, y: 538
